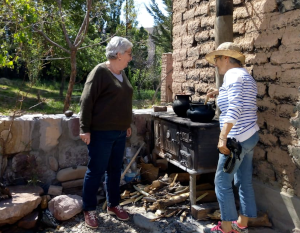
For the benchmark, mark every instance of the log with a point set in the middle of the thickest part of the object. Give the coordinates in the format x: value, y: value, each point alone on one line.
x: 183, y: 216
x: 159, y: 108
x: 262, y: 220
x: 201, y: 197
x: 200, y: 211
x: 211, y: 197
x: 184, y: 190
x: 141, y: 191
x: 183, y: 207
x: 127, y: 201
x: 154, y: 206
x: 162, y: 204
x: 138, y: 198
x: 157, y: 184
x: 162, y: 164
x: 183, y: 177
x: 125, y: 194
x: 215, y: 215
x: 149, y: 172
x: 149, y: 199
x: 173, y: 182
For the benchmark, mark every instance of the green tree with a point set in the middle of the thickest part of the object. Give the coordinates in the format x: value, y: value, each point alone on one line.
x: 140, y: 64
x: 55, y: 23
x: 112, y: 18
x: 162, y: 31
x: 130, y: 16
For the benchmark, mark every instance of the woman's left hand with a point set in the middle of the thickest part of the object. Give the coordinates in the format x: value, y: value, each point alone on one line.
x: 222, y: 146
x: 128, y: 134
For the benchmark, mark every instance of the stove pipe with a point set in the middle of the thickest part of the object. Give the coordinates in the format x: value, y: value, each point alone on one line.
x: 223, y: 30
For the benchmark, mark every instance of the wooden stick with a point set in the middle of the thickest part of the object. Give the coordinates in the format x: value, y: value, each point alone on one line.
x: 124, y: 172
x: 104, y: 205
x: 202, y: 196
x: 172, y: 184
x: 171, y: 214
x: 149, y: 199
x: 139, y: 198
x: 133, y: 159
x: 183, y: 216
x: 141, y: 191
x: 154, y: 219
x: 127, y: 201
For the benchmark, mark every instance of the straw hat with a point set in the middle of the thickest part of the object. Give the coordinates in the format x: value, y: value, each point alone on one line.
x: 228, y: 49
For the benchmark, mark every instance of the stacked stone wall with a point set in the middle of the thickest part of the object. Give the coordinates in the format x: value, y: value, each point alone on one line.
x: 268, y: 32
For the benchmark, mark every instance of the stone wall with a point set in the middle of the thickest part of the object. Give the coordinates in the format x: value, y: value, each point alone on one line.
x: 269, y: 33
x: 43, y: 147
x: 38, y: 147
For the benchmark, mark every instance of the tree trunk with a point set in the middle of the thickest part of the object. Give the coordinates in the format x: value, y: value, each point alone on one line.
x: 62, y: 84
x: 72, y: 80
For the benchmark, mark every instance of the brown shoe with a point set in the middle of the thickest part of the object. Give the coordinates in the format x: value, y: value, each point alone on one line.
x: 119, y: 212
x: 90, y: 218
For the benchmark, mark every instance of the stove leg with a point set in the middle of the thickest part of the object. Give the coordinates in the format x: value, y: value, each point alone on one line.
x: 193, y: 189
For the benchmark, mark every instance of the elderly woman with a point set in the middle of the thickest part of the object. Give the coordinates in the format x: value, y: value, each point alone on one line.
x: 237, y: 102
x: 105, y: 117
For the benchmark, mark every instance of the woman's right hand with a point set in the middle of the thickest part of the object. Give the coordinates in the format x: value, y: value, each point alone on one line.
x: 212, y: 92
x: 86, y: 137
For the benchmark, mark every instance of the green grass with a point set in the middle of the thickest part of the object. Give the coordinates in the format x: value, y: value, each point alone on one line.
x: 23, y: 97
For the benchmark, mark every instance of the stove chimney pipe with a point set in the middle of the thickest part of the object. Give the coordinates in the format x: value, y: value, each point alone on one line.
x: 223, y: 29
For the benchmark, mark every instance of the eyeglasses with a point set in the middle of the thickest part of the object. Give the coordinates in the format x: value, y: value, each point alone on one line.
x: 216, y: 58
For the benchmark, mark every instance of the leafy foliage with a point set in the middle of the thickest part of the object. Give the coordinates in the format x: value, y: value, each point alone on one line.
x: 162, y: 32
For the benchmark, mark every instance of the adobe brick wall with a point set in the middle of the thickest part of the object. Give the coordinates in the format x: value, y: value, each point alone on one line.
x: 166, y: 77
x: 269, y: 33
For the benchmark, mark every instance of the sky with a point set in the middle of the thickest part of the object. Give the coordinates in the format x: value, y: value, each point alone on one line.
x: 143, y: 17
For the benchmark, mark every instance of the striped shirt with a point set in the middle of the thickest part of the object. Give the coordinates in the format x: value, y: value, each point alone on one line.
x: 237, y: 102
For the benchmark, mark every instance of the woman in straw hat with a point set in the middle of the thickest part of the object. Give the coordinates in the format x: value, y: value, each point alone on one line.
x: 237, y: 102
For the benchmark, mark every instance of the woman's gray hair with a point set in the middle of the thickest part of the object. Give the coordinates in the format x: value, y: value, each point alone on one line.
x: 235, y: 61
x: 117, y: 45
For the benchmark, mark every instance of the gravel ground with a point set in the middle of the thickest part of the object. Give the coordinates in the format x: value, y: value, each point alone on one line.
x: 138, y: 223
x: 107, y: 223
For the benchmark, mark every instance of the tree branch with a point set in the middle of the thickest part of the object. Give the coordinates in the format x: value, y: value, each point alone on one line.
x: 52, y: 42
x: 84, y: 27
x: 96, y: 44
x: 63, y: 25
x: 59, y: 58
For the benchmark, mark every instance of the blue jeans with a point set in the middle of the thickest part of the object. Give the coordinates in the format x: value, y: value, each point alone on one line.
x: 242, y: 175
x: 106, y: 151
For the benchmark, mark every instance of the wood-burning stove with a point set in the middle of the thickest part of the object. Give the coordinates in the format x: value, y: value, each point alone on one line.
x: 188, y: 145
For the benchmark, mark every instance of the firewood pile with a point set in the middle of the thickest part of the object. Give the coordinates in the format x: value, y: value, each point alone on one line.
x: 167, y: 196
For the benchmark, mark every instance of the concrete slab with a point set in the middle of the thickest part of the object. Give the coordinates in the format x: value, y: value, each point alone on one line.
x: 283, y: 209
x: 190, y: 225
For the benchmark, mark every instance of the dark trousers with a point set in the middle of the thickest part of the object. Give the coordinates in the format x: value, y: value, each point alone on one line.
x: 106, y: 151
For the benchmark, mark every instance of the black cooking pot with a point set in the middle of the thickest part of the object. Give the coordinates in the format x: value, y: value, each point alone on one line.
x: 181, y: 104
x: 200, y: 112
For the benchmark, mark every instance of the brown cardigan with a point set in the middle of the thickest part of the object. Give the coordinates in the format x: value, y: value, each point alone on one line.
x: 106, y: 103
